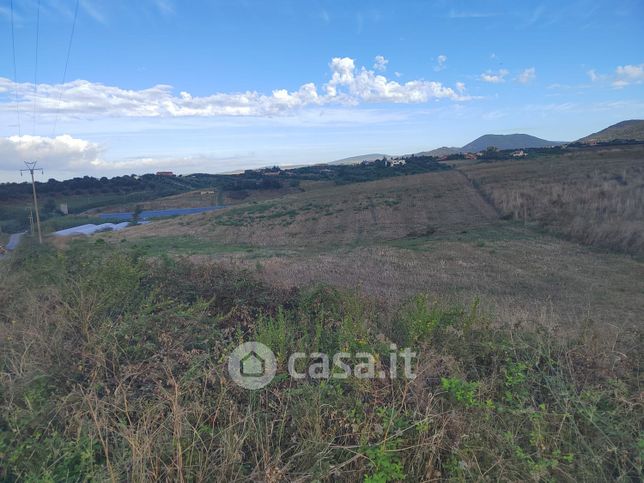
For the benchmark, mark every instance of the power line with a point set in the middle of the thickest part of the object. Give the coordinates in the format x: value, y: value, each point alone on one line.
x: 36, y: 66
x: 69, y: 50
x: 15, y: 74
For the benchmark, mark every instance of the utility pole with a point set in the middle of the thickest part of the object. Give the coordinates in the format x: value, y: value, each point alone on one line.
x: 31, y: 220
x: 31, y: 167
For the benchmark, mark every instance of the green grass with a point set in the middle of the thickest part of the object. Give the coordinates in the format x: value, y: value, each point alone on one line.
x: 182, y: 245
x: 119, y: 373
x: 484, y: 236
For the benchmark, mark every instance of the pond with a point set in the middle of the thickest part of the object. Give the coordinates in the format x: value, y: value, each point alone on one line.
x: 148, y: 214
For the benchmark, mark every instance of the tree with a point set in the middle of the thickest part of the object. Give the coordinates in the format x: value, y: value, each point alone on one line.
x: 136, y: 215
x: 49, y: 206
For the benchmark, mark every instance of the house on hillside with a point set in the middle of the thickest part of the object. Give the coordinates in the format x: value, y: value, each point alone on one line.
x: 519, y: 153
x: 395, y: 162
x: 470, y: 156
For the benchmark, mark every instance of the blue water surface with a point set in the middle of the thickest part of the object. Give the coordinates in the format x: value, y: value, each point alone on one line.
x: 147, y: 214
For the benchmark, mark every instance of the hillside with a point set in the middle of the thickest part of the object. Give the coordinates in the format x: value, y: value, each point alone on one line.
x: 122, y: 372
x: 632, y: 129
x: 360, y: 158
x: 507, y: 141
x: 434, y: 231
x: 442, y: 151
x: 116, y: 349
x: 499, y: 141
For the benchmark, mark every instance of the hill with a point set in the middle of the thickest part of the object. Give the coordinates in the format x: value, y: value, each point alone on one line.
x: 499, y: 141
x: 507, y: 141
x: 434, y: 231
x: 442, y: 151
x: 360, y: 158
x: 632, y: 129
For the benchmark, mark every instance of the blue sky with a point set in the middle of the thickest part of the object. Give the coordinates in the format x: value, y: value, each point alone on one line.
x: 222, y: 85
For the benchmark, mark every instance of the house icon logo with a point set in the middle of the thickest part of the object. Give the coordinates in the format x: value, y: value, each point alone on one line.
x: 252, y: 365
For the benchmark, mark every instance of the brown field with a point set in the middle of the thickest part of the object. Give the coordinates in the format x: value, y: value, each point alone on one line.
x: 435, y: 233
x: 389, y: 209
x: 594, y: 196
x: 517, y: 275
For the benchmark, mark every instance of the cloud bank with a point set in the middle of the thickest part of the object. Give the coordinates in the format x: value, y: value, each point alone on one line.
x: 58, y: 152
x: 349, y: 85
x: 494, y: 77
x: 625, y: 75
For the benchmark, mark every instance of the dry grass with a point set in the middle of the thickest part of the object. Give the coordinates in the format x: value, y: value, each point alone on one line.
x: 207, y: 197
x: 595, y: 197
x: 342, y: 215
x: 112, y: 369
x: 520, y: 276
x: 429, y: 233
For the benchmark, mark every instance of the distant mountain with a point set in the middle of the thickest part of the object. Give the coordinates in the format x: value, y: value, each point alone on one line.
x: 360, y: 159
x: 443, y: 151
x: 507, y: 141
x: 499, y: 141
x: 633, y: 129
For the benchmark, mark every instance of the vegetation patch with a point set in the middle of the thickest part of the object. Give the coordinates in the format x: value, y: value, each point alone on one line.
x: 181, y: 245
x: 113, y: 367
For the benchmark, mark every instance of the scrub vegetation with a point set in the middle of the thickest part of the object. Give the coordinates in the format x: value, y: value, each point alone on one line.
x: 113, y: 368
x: 595, y: 197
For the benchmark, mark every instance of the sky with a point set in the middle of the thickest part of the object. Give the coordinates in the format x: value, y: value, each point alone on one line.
x: 225, y: 85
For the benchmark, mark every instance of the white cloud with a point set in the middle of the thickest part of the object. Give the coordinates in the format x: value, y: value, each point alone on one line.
x: 494, y: 77
x: 527, y: 75
x: 440, y: 62
x: 195, y: 162
x: 380, y: 63
x: 460, y: 87
x: 55, y: 153
x: 625, y: 75
x: 628, y: 74
x: 354, y: 86
x: 592, y: 74
x: 348, y: 85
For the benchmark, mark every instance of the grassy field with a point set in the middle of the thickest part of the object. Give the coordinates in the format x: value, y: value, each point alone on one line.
x: 594, y: 196
x: 113, y: 348
x: 381, y: 210
x: 433, y: 233
x: 520, y: 275
x: 113, y: 368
